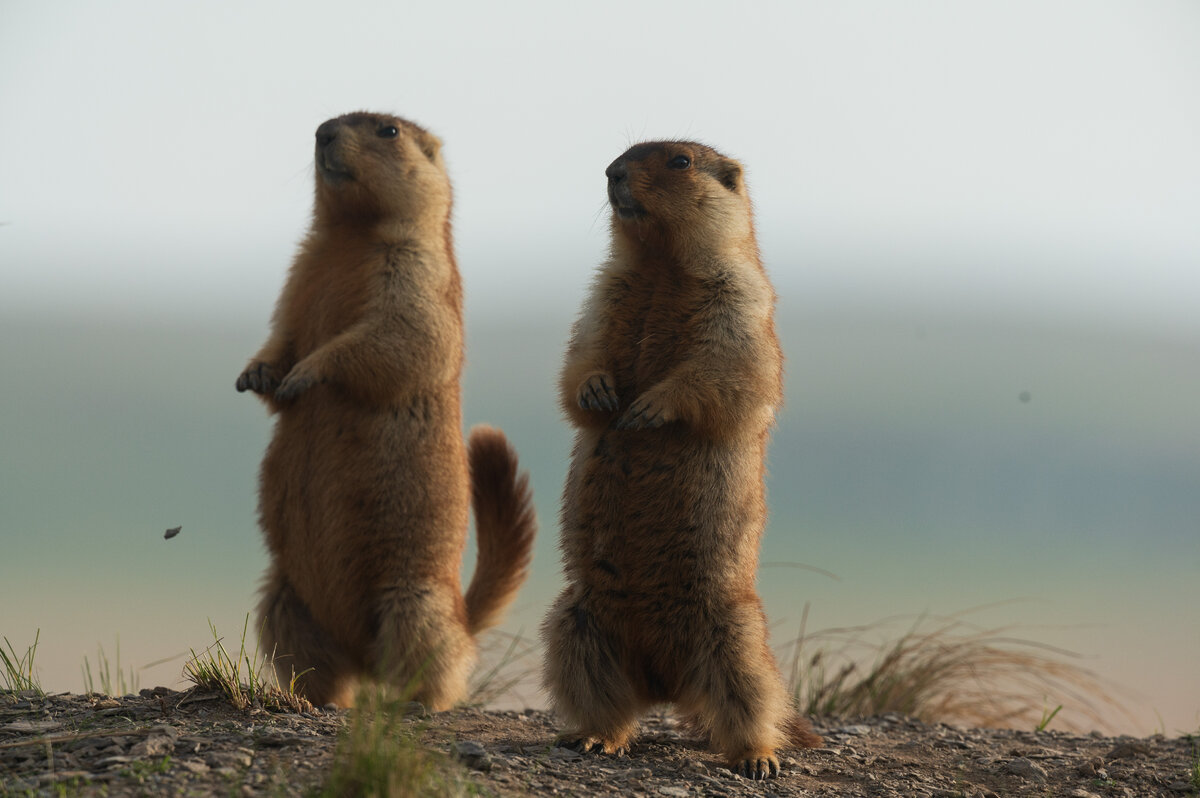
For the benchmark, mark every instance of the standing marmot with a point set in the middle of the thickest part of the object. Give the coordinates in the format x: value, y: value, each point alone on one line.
x: 672, y: 378
x: 365, y: 485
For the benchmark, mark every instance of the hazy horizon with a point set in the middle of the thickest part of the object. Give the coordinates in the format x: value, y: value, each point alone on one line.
x: 905, y: 463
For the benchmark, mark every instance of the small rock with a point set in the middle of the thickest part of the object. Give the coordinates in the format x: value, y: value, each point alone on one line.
x: 1127, y: 749
x: 227, y: 760
x: 1079, y: 792
x: 160, y: 742
x: 856, y: 731
x: 63, y: 775
x: 193, y: 766
x: 154, y: 745
x: 472, y: 754
x: 674, y: 792
x: 33, y: 726
x: 1026, y: 768
x: 565, y: 754
x: 279, y: 740
x: 166, y: 730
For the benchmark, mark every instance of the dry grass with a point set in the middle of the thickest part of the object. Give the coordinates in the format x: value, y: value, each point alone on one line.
x: 945, y: 669
x: 378, y: 755
x: 109, y: 685
x: 17, y: 671
x: 215, y: 670
x: 508, y: 657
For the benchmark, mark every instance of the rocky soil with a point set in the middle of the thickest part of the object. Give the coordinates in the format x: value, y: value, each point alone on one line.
x: 164, y: 742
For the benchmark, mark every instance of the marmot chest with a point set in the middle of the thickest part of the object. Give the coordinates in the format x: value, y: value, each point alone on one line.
x: 651, y: 331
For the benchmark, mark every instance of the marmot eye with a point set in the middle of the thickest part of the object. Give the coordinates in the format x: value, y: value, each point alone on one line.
x: 388, y: 132
x: 679, y: 162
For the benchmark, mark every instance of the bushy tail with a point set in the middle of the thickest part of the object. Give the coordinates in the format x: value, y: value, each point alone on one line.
x: 800, y: 732
x: 505, y: 524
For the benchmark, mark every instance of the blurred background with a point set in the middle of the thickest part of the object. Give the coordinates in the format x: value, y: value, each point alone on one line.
x: 981, y: 220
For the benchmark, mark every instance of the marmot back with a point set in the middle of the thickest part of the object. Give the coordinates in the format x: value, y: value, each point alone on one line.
x: 672, y: 378
x: 366, y: 483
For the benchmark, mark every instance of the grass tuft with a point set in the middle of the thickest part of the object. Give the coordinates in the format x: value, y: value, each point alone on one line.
x: 104, y: 671
x: 941, y: 669
x: 1047, y: 717
x: 215, y: 670
x: 18, y: 673
x: 378, y: 754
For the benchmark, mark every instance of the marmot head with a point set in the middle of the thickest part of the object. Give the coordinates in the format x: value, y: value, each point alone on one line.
x: 377, y: 167
x: 678, y: 192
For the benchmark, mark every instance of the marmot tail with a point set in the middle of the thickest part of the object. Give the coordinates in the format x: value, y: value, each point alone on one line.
x: 505, y: 524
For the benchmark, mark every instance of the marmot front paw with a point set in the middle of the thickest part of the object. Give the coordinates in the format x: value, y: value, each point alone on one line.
x: 597, y: 393
x: 648, y: 412
x: 260, y: 377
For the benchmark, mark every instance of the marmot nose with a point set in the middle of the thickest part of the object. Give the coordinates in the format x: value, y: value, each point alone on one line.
x: 616, y: 172
x: 327, y: 132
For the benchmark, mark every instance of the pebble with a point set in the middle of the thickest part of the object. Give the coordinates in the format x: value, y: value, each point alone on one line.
x: 472, y: 754
x: 1026, y: 768
x: 33, y: 726
x: 1127, y: 749
x: 856, y: 731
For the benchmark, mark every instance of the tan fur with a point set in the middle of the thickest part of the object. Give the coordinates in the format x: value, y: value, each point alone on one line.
x: 365, y: 487
x: 672, y: 378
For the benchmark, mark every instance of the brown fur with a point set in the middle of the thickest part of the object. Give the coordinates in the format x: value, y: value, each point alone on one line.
x: 672, y: 378
x: 365, y: 485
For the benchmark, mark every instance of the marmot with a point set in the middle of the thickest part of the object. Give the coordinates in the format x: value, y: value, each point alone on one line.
x: 366, y: 482
x: 672, y: 378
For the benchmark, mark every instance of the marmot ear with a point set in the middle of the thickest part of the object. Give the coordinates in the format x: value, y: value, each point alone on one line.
x: 430, y: 144
x: 730, y: 175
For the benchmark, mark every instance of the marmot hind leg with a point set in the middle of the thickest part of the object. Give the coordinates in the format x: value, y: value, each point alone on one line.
x: 297, y: 645
x: 423, y: 648
x: 587, y: 687
x: 738, y: 696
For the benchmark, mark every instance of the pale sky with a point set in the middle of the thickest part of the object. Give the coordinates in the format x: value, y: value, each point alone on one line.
x: 1034, y: 158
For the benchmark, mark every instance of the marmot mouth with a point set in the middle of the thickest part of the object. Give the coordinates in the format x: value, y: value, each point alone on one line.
x: 629, y: 211
x: 330, y: 170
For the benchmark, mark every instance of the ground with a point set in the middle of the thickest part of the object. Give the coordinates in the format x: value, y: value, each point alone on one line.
x: 164, y: 742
